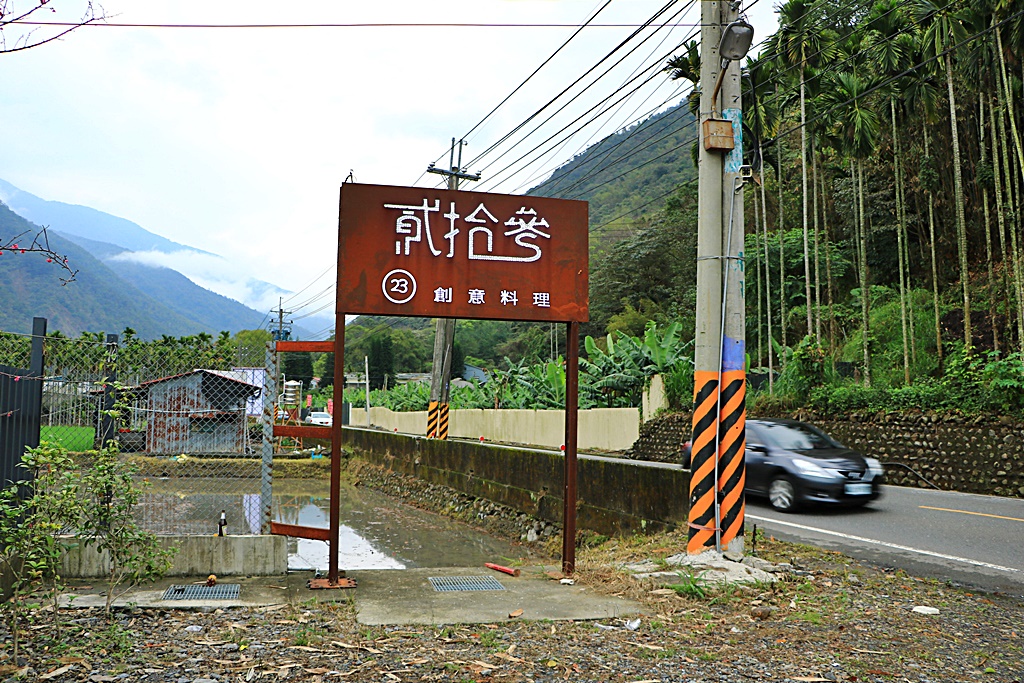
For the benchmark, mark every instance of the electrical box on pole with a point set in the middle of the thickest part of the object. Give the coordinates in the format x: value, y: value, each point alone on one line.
x: 718, y: 135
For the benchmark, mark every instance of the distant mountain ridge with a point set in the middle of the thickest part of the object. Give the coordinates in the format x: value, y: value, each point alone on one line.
x: 111, y: 292
x: 97, y: 301
x: 76, y: 221
x: 171, y: 288
x: 100, y: 231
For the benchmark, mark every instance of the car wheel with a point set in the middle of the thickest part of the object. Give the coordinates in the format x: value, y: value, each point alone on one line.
x: 782, y: 494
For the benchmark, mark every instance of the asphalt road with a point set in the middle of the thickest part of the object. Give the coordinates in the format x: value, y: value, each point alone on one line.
x: 960, y: 537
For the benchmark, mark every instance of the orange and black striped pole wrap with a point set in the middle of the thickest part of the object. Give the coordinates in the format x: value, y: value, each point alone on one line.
x: 731, y: 469
x: 702, y: 461
x: 721, y: 438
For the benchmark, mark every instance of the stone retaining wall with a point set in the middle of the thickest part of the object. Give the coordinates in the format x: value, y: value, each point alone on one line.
x: 661, y: 439
x: 974, y: 455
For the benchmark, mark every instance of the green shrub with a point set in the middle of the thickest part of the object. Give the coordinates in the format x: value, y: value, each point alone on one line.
x: 35, y: 512
x: 111, y: 493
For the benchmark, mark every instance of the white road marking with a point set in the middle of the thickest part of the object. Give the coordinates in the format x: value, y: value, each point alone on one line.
x: 895, y: 546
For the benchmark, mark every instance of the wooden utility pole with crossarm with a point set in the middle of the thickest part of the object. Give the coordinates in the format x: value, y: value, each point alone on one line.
x: 444, y: 335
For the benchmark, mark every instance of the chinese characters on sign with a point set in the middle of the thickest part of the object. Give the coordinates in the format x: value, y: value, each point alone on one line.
x: 443, y: 253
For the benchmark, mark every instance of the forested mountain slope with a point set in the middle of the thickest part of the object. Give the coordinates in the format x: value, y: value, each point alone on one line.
x: 628, y: 174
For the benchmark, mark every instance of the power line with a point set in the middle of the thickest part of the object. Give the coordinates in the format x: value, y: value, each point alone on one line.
x: 110, y: 24
x: 867, y: 92
x: 778, y: 80
x: 550, y: 102
x: 316, y: 310
x: 608, y: 153
x: 594, y: 171
x: 631, y: 119
x: 824, y: 72
x: 651, y: 22
x: 594, y: 107
x: 535, y: 71
x: 312, y: 282
x: 517, y: 88
x: 649, y: 78
x: 329, y: 289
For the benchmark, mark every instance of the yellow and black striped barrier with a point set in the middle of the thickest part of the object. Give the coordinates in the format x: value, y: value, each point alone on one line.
x: 442, y: 421
x: 437, y: 420
x: 432, y: 414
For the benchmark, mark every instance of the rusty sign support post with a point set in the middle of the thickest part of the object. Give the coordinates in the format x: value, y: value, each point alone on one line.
x: 318, y: 432
x: 336, y: 435
x: 572, y: 383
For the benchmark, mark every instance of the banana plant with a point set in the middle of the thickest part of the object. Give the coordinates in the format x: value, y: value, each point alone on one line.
x: 664, y: 350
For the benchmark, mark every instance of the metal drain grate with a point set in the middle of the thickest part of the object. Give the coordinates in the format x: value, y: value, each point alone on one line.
x: 222, y: 591
x: 465, y: 583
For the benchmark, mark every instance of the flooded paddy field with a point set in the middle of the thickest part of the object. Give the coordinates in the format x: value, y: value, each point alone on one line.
x: 376, y: 531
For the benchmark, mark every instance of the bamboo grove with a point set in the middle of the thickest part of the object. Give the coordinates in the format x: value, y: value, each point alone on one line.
x: 887, y: 141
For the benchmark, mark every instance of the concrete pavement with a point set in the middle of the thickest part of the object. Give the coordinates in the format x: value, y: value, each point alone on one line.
x: 389, y: 597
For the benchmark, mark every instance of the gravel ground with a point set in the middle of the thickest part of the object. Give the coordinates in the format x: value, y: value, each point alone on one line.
x: 831, y: 620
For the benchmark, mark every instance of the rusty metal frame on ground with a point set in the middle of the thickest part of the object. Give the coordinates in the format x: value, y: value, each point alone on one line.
x: 423, y: 252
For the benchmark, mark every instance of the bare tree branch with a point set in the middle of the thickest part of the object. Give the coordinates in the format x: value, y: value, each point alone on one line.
x: 15, y: 37
x: 13, y: 20
x: 39, y: 244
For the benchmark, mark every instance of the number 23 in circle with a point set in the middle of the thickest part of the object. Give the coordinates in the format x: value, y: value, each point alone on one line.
x: 399, y: 286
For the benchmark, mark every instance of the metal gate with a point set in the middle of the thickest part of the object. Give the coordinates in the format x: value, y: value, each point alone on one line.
x: 21, y: 398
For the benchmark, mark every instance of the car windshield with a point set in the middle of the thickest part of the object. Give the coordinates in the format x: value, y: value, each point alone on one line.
x: 797, y: 437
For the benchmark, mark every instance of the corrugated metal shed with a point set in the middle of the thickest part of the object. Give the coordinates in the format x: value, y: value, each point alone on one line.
x: 203, y: 411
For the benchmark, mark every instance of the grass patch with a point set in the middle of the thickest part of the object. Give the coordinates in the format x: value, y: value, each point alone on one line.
x: 810, y: 616
x: 75, y: 439
x: 690, y: 586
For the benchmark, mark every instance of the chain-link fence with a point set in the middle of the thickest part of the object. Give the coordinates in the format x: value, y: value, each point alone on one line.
x: 182, y: 410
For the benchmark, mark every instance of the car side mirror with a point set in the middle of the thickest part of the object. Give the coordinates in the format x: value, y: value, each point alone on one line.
x: 757, y: 448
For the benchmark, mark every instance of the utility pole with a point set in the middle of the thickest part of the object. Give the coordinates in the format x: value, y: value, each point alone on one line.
x: 444, y: 335
x: 707, y: 340
x: 717, y: 467
x: 732, y: 382
x: 282, y: 334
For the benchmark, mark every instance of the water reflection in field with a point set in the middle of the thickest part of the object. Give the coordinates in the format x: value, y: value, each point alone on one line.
x: 379, y: 532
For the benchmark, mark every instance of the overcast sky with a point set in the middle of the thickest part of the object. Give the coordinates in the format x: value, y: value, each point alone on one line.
x: 235, y: 140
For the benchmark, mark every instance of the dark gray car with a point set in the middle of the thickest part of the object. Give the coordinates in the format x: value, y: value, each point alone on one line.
x: 792, y: 464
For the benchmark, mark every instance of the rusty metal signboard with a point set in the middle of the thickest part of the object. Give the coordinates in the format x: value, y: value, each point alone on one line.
x: 410, y: 251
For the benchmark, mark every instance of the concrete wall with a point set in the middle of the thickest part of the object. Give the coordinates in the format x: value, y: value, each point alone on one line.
x: 198, y: 556
x: 609, y: 429
x: 654, y: 398
x: 615, y: 496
